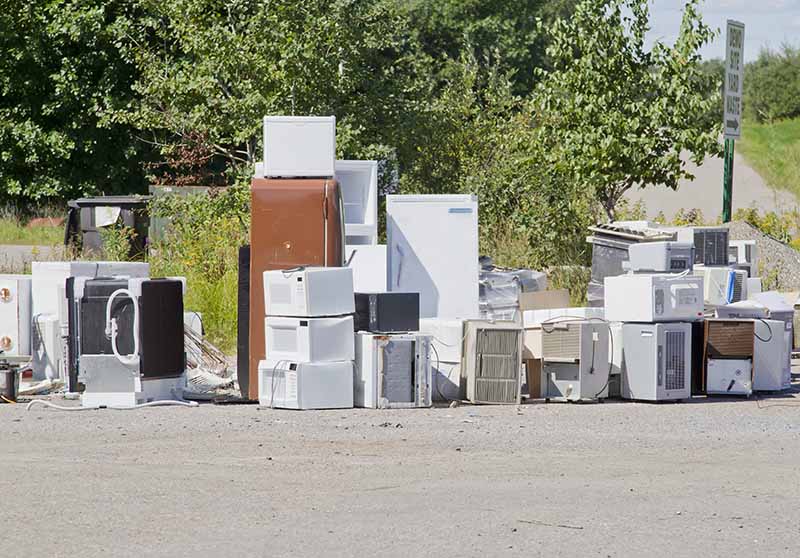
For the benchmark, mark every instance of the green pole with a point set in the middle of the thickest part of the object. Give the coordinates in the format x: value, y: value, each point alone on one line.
x: 727, y: 182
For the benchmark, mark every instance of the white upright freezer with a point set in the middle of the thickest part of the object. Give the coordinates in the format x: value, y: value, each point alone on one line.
x: 433, y: 250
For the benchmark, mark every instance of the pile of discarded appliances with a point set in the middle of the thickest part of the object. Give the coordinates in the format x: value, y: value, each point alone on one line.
x: 329, y: 318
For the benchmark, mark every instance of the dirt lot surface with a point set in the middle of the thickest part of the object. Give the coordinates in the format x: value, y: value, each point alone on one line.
x: 706, y: 478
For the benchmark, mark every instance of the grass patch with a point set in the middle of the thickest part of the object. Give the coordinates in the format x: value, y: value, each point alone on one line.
x: 12, y: 231
x: 774, y: 151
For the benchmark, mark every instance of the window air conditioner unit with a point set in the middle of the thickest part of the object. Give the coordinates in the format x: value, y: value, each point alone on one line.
x: 710, y: 244
x: 745, y: 253
x: 305, y: 385
x: 653, y: 298
x: 392, y: 371
x: 492, y: 362
x: 661, y: 257
x: 575, y: 360
x: 722, y: 285
x: 309, y: 339
x: 15, y: 315
x: 299, y: 146
x: 729, y: 377
x: 309, y: 292
x: 768, y: 355
x: 658, y: 359
x: 127, y: 339
x: 393, y: 312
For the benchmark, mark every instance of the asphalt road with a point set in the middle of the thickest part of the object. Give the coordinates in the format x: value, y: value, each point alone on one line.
x: 705, y: 192
x: 707, y: 478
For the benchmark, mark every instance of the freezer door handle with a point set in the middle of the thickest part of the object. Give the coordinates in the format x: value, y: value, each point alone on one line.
x: 399, y: 251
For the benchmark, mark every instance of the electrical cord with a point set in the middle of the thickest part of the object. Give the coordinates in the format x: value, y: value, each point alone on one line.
x: 768, y: 327
x: 273, y: 387
x: 161, y: 403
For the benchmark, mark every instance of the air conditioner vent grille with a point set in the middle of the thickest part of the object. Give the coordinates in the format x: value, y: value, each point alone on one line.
x: 675, y: 365
x: 738, y: 279
x: 561, y: 343
x: 496, y: 391
x: 711, y: 247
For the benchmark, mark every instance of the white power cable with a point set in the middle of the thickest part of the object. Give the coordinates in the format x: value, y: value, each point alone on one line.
x: 111, y: 328
x: 162, y: 403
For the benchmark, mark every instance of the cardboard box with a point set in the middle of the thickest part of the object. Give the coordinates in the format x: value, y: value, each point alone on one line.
x: 543, y: 300
x: 533, y: 367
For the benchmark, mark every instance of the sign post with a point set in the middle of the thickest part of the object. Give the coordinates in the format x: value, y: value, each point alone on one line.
x: 732, y: 119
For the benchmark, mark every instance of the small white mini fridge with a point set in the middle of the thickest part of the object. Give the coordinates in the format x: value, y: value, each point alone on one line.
x: 433, y: 250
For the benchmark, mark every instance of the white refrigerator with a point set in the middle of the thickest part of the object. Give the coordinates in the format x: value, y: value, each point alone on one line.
x: 433, y: 250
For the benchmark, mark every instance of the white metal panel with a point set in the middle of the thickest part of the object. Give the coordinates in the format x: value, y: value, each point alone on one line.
x: 299, y: 146
x: 309, y: 292
x: 369, y: 267
x: 309, y: 339
x: 358, y: 182
x: 769, y: 352
x: 47, y: 347
x: 15, y: 315
x: 433, y: 250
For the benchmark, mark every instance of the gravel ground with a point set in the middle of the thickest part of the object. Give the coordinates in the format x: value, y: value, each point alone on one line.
x: 707, y: 478
x: 779, y: 262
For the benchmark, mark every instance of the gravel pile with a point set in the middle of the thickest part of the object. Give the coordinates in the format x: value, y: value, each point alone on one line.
x: 779, y: 263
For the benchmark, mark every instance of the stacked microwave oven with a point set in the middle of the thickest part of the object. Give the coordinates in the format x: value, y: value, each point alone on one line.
x: 655, y: 305
x: 308, y: 339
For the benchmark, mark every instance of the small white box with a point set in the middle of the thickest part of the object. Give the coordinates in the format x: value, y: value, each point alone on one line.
x: 653, y: 298
x: 305, y: 385
x: 309, y: 292
x: 15, y: 315
x: 299, y: 146
x: 358, y: 182
x: 369, y: 267
x: 309, y: 339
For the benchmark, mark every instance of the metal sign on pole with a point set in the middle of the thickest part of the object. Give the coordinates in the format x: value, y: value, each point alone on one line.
x: 732, y: 119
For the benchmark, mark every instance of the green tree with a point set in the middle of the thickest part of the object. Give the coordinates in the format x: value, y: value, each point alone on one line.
x: 59, y: 73
x: 612, y: 114
x: 502, y: 33
x: 209, y: 71
x: 772, y: 85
